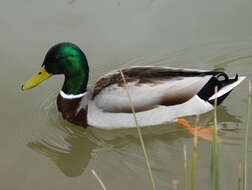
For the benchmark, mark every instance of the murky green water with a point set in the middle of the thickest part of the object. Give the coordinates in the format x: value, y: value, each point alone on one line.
x: 41, y: 151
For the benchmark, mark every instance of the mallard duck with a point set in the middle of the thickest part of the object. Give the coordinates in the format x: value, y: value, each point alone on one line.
x: 159, y: 94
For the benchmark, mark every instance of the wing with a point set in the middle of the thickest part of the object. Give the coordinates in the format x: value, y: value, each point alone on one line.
x: 149, y: 88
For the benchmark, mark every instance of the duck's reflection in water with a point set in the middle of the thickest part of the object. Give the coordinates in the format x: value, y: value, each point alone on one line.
x: 71, y: 160
x: 74, y: 156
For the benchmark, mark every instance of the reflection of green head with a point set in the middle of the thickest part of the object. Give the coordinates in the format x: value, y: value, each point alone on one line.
x: 68, y: 59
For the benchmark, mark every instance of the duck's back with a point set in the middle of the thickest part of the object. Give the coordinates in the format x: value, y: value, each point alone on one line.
x: 159, y: 95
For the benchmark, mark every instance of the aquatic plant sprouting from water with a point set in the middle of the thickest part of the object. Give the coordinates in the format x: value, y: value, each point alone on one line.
x: 194, y: 155
x: 239, y: 180
x: 214, y: 169
x: 186, y: 171
x: 99, y: 180
x: 245, y: 159
x: 139, y: 132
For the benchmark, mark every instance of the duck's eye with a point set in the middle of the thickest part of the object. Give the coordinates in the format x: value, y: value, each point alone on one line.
x: 59, y: 57
x: 39, y: 73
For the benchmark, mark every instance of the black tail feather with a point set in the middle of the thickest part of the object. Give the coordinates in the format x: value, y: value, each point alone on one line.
x: 216, y: 81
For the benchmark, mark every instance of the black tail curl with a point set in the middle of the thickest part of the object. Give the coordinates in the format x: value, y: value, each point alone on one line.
x: 220, y: 80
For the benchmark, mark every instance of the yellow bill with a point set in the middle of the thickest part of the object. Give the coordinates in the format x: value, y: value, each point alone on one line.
x: 39, y: 77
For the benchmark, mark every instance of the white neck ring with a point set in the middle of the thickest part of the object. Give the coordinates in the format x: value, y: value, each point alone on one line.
x: 71, y: 96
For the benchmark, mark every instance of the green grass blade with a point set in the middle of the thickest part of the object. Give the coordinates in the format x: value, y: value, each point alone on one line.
x: 214, y: 152
x: 194, y: 158
x: 239, y: 177
x: 186, y: 171
x: 139, y: 133
x: 245, y: 162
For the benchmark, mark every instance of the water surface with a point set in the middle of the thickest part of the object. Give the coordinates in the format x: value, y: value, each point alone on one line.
x: 40, y: 150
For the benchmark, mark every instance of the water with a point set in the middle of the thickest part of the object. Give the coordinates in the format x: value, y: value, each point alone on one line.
x: 40, y: 150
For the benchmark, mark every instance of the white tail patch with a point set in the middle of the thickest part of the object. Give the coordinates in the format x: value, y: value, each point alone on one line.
x: 227, y: 88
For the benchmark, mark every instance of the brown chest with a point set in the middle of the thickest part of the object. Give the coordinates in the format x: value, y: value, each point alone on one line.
x: 71, y: 111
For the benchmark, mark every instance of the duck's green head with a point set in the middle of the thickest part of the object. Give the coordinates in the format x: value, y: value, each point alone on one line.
x: 67, y: 59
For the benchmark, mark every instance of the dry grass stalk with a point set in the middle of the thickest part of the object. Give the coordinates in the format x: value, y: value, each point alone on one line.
x: 174, y: 184
x: 99, y: 180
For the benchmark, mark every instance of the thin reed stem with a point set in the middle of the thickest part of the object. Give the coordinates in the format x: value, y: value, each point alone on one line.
x: 245, y: 162
x: 186, y: 171
x: 99, y: 180
x: 214, y: 151
x: 239, y: 177
x: 174, y: 184
x: 139, y: 133
x: 194, y: 156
